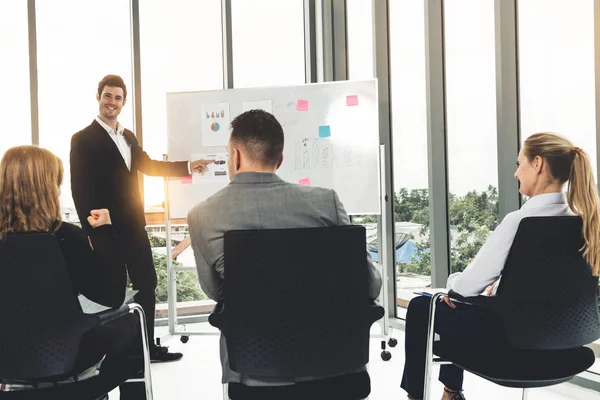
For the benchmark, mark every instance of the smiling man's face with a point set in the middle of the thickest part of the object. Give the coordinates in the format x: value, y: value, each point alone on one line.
x: 110, y: 102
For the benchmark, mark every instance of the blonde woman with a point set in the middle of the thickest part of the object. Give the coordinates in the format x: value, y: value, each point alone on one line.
x: 545, y: 164
x: 30, y: 180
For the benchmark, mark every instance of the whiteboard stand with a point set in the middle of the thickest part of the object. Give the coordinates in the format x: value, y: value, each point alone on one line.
x: 313, y: 116
x: 171, y: 282
x: 383, y: 221
x: 171, y: 271
x: 172, y: 277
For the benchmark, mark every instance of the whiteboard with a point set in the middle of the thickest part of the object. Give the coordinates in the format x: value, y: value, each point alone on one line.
x: 331, y: 133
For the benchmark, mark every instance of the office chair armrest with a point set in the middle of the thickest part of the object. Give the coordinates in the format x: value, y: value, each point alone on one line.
x: 217, y: 316
x: 490, y: 302
x: 375, y: 312
x: 112, y: 314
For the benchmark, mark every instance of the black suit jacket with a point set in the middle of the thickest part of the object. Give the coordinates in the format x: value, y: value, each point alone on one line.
x: 100, y: 178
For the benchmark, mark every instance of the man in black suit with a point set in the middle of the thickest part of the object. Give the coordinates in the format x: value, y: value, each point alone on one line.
x: 105, y: 160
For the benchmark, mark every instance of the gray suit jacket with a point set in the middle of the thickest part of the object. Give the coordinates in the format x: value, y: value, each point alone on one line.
x: 255, y: 200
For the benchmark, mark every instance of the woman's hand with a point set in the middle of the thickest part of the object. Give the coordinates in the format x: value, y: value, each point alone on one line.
x: 447, y: 300
x: 490, y: 289
x: 99, y: 217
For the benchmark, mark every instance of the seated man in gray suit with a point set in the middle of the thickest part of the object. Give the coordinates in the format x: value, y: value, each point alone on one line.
x: 256, y: 198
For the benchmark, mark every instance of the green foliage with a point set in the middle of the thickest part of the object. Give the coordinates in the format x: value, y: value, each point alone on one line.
x: 466, y: 246
x: 157, y: 241
x: 421, y: 260
x: 364, y: 219
x: 412, y: 206
x: 188, y: 288
x: 475, y: 210
x: 474, y: 215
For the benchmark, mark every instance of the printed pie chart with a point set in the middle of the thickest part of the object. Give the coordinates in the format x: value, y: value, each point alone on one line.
x: 215, y: 126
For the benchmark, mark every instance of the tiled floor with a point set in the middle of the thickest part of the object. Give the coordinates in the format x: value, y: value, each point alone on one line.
x: 198, y: 374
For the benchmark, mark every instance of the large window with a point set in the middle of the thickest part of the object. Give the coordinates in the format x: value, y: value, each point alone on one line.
x: 556, y: 63
x: 181, y: 51
x: 359, y: 14
x: 409, y: 137
x: 14, y: 56
x: 471, y: 126
x: 360, y: 67
x: 78, y: 44
x: 268, y: 42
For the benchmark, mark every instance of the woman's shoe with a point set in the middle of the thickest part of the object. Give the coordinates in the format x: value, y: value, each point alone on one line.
x: 456, y: 394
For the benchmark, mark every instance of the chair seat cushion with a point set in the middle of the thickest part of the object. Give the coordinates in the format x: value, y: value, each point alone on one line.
x: 518, y: 368
x: 346, y: 387
x: 93, y: 388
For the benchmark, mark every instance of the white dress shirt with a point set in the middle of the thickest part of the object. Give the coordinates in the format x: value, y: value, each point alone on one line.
x: 122, y: 144
x: 119, y: 140
x: 487, y: 265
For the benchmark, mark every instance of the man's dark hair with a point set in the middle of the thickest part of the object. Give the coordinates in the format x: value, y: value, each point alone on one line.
x: 113, y: 81
x: 260, y: 134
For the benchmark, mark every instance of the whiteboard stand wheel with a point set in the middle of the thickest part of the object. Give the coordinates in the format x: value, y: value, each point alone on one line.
x: 385, y: 355
x: 184, y: 339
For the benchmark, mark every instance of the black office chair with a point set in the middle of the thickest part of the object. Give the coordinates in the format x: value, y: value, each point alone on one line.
x: 296, y: 308
x: 547, y: 302
x: 43, y: 325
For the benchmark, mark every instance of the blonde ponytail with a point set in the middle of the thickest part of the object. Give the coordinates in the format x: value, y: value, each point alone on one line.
x: 583, y: 200
x: 571, y: 164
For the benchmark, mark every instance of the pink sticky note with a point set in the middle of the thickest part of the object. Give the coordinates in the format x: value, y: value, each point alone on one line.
x: 302, y: 105
x: 352, y: 100
x: 304, y: 182
x: 186, y: 179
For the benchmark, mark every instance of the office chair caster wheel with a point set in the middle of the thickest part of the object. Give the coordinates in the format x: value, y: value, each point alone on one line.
x: 385, y: 355
x: 184, y: 339
x: 392, y: 342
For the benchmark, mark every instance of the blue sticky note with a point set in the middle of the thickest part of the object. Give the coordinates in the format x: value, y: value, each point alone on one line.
x: 324, y: 131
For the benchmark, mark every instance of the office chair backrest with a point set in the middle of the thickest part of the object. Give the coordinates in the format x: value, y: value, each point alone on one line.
x: 40, y: 316
x: 547, y: 297
x: 296, y: 302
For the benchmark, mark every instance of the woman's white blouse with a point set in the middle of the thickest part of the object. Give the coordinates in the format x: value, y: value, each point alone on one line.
x: 487, y: 265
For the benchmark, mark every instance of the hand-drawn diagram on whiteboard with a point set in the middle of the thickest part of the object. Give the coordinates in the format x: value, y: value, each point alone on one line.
x: 322, y: 153
x: 215, y: 124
